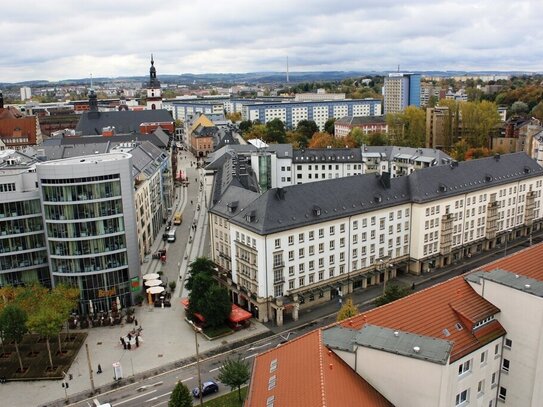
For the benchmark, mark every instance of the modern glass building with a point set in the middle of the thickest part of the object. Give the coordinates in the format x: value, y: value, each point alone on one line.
x: 89, y: 214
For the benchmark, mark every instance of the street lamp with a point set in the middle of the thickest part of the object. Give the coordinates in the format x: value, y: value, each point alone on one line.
x: 506, y: 240
x: 196, y: 330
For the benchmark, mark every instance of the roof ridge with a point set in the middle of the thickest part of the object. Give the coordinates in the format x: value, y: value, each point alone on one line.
x: 321, y: 367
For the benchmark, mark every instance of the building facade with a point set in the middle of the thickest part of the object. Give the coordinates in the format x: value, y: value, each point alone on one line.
x: 89, y: 213
x: 370, y: 124
x: 296, y: 245
x: 401, y: 90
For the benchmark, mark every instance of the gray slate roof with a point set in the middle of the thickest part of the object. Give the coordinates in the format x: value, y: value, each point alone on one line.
x: 504, y: 277
x: 340, y: 338
x: 327, y: 155
x: 358, y: 120
x: 158, y: 138
x: 294, y: 206
x: 421, y: 347
x: 123, y: 121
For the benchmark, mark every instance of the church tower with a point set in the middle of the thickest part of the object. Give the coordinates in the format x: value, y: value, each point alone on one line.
x: 154, y: 94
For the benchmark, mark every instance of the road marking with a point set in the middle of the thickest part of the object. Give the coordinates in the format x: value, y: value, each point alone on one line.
x: 187, y: 379
x: 259, y: 346
x: 157, y: 397
x: 213, y: 370
x: 133, y: 398
x: 250, y: 356
x: 159, y: 404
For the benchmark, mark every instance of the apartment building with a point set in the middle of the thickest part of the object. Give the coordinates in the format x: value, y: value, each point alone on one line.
x: 294, y: 246
x: 291, y: 113
x: 401, y: 90
x: 18, y: 131
x: 469, y: 340
x: 90, y: 225
x: 369, y: 124
x: 23, y: 251
x: 279, y: 165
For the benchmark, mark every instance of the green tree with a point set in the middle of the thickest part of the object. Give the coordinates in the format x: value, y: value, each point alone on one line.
x: 537, y: 111
x: 275, y: 131
x: 408, y: 128
x: 234, y: 373
x: 347, y: 310
x: 200, y: 265
x: 47, y: 322
x: 216, y: 306
x: 307, y: 128
x: 13, y: 321
x: 393, y: 292
x: 519, y: 107
x: 329, y: 126
x: 298, y: 140
x: 201, y: 284
x: 63, y: 299
x: 180, y: 396
x: 257, y: 131
x: 245, y: 125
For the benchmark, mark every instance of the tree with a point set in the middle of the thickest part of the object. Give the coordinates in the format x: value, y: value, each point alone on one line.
x: 329, y: 126
x: 519, y: 108
x: 307, y: 128
x: 234, y: 117
x: 64, y: 299
x: 198, y: 266
x: 216, y: 306
x: 298, y: 140
x: 322, y: 140
x: 200, y: 285
x: 275, y: 131
x: 245, y: 125
x: 46, y: 322
x: 393, y: 292
x: 257, y: 131
x: 180, y: 396
x: 537, y: 111
x: 234, y: 373
x: 347, y: 310
x: 13, y: 321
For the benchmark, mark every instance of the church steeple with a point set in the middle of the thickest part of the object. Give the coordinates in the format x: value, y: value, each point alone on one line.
x: 154, y: 94
x: 93, y: 101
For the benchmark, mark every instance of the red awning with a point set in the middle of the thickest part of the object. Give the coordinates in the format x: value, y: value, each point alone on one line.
x: 237, y: 315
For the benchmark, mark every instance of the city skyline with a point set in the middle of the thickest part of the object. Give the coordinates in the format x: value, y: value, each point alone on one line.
x: 57, y: 41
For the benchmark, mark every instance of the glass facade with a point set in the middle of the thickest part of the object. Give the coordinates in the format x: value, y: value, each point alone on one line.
x: 23, y: 253
x: 86, y: 236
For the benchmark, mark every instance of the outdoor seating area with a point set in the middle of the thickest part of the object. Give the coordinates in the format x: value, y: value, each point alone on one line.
x: 157, y: 294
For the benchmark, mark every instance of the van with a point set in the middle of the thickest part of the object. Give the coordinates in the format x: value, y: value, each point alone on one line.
x: 177, y: 219
x: 171, y: 236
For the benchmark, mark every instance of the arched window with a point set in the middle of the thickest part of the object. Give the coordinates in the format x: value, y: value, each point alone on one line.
x: 153, y: 106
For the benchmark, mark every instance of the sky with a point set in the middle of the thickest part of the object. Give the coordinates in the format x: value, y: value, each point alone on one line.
x: 66, y: 39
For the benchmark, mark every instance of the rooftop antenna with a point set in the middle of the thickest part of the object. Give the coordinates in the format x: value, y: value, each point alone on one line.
x: 398, y: 68
x: 287, y: 68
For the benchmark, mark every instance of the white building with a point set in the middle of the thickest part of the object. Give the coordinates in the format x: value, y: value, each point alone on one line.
x: 468, y: 341
x: 26, y: 93
x: 90, y: 225
x: 295, y: 245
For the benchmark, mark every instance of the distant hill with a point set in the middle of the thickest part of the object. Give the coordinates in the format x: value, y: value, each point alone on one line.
x: 250, y: 77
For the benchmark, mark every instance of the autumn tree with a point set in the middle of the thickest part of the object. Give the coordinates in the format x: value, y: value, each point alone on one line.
x: 297, y: 140
x: 537, y: 111
x: 347, y: 310
x: 322, y: 140
x: 257, y: 131
x: 234, y: 116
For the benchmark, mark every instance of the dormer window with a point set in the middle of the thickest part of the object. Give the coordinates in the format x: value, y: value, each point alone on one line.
x: 482, y: 322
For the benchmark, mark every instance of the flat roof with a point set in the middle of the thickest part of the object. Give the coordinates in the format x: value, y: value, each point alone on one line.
x: 89, y: 159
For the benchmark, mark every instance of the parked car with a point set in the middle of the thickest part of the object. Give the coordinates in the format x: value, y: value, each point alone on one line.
x: 207, y: 388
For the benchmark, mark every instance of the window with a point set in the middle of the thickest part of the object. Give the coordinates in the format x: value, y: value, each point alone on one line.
x: 311, y: 235
x: 332, y: 230
x: 503, y: 393
x: 496, y: 351
x: 291, y: 255
x: 301, y: 238
x: 355, y: 225
x: 277, y: 243
x: 321, y: 233
x: 291, y: 240
x: 493, y: 379
x: 508, y: 343
x: 505, y: 365
x: 311, y: 250
x: 301, y: 268
x: 291, y: 271
x: 332, y: 245
x: 464, y: 367
x: 342, y: 228
x: 301, y: 253
x: 462, y: 398
x: 321, y: 247
x: 481, y: 387
x: 483, y: 357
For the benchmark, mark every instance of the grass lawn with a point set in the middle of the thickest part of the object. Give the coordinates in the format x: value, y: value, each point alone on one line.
x: 228, y: 400
x: 218, y: 331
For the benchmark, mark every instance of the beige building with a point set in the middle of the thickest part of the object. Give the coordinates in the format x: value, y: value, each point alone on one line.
x: 296, y: 246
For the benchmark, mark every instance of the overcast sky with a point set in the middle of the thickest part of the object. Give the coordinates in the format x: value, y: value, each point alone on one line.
x: 60, y: 39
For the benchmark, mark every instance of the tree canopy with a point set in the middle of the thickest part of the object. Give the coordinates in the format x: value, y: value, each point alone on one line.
x: 234, y: 373
x: 393, y: 292
x: 347, y: 310
x: 180, y: 396
x: 13, y: 325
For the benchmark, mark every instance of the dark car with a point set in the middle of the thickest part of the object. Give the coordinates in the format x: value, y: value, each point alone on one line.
x: 207, y: 388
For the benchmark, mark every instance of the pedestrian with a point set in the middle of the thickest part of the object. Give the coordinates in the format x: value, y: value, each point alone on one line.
x: 125, y: 345
x: 413, y: 286
x: 99, y: 370
x: 191, y: 201
x: 122, y: 340
x: 129, y: 337
x: 137, y: 342
x: 135, y: 322
x: 129, y: 346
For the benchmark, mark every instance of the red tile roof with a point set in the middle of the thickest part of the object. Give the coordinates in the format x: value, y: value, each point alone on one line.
x: 309, y: 375
x: 435, y: 311
x: 526, y: 263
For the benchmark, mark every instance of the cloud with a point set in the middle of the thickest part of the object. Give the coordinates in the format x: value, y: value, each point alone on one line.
x: 61, y: 39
